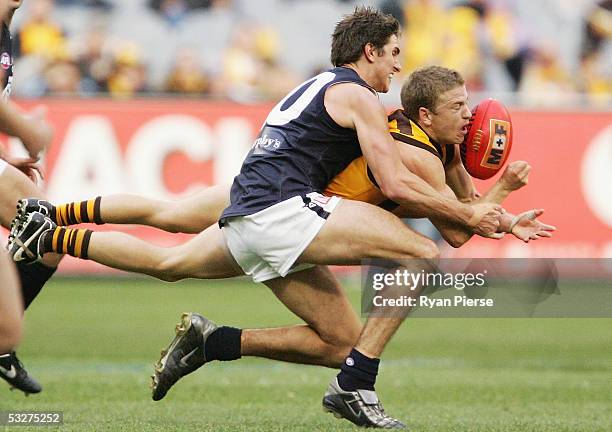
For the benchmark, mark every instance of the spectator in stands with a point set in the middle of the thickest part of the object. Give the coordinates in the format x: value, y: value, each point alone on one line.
x: 62, y: 75
x: 251, y: 69
x: 93, y: 58
x: 595, y: 78
x: 39, y: 35
x: 545, y: 81
x: 188, y: 75
x: 482, y: 32
x: 129, y: 75
x: 424, y: 34
x: 597, y: 27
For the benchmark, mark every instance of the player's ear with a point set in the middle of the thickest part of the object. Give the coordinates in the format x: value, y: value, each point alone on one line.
x: 370, y: 51
x: 425, y: 116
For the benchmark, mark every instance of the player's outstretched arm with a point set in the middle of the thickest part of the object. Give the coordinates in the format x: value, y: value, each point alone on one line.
x: 428, y: 168
x: 514, y: 177
x: 525, y: 226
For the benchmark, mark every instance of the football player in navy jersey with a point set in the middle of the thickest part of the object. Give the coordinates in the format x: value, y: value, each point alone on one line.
x: 282, y: 231
x: 17, y: 179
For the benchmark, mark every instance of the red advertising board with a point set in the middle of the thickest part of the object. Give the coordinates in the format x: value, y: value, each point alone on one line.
x: 164, y: 148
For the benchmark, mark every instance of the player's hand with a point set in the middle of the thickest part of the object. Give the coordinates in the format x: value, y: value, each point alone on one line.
x: 526, y: 226
x: 515, y: 176
x: 41, y: 132
x: 28, y: 166
x: 485, y: 219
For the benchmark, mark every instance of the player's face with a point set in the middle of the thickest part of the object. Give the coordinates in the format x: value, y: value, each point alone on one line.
x: 387, y: 64
x: 452, y: 114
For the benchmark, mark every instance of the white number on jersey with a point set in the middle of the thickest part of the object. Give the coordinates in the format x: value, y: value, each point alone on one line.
x: 279, y: 118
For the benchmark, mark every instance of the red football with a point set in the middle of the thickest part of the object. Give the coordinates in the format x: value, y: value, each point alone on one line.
x: 487, y: 145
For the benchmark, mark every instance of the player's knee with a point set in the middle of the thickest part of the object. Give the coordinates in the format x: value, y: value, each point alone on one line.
x: 168, y: 222
x: 341, y: 335
x: 168, y: 269
x: 339, y: 343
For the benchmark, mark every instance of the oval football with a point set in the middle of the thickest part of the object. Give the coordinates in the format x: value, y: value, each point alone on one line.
x: 487, y: 145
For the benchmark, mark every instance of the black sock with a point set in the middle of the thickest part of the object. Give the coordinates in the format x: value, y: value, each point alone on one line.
x: 32, y: 278
x: 358, y: 372
x: 223, y: 344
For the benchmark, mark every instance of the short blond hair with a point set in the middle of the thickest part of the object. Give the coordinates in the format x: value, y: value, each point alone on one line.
x: 425, y: 85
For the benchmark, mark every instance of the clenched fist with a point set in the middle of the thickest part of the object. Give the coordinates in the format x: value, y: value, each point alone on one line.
x: 516, y: 175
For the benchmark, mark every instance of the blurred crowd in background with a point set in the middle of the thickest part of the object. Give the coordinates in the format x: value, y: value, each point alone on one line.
x: 543, y: 52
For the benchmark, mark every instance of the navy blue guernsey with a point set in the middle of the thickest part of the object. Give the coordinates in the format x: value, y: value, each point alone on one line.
x: 299, y: 149
x: 6, y: 62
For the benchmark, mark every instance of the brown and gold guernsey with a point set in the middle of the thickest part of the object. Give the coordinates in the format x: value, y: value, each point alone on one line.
x: 356, y: 182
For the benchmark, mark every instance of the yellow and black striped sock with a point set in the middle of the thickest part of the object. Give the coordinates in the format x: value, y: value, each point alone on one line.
x: 71, y: 241
x: 78, y: 212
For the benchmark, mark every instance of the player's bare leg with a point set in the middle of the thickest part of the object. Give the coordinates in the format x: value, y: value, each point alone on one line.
x: 191, y: 214
x: 355, y: 231
x: 204, y: 257
x: 11, y: 306
x: 313, y: 295
x: 306, y: 293
x: 332, y: 326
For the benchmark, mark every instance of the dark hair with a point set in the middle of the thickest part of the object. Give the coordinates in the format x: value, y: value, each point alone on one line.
x: 365, y: 25
x: 425, y: 85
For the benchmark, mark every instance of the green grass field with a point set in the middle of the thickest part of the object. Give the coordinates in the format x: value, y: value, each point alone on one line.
x: 92, y: 344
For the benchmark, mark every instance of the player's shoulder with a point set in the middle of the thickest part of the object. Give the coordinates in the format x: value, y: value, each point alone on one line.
x: 405, y: 130
x: 399, y: 123
x: 352, y: 92
x: 345, y: 102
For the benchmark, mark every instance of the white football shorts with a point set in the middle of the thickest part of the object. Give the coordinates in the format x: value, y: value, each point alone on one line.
x: 266, y: 244
x: 3, y: 165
